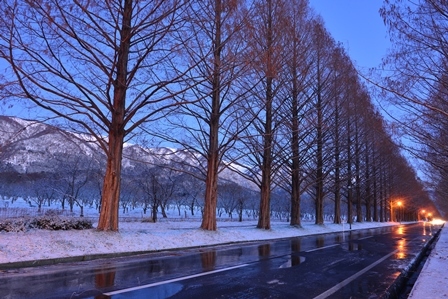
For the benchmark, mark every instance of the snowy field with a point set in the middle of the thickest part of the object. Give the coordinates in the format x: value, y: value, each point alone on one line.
x: 146, y: 236
x: 137, y: 235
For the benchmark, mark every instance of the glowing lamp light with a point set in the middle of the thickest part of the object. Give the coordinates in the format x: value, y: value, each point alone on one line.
x: 437, y: 221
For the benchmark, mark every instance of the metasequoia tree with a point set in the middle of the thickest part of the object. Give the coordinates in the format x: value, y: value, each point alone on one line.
x: 376, y: 128
x: 363, y: 109
x: 342, y: 78
x: 417, y: 67
x: 323, y: 45
x: 267, y: 46
x: 295, y: 127
x: 104, y: 66
x: 435, y: 149
x: 215, y: 45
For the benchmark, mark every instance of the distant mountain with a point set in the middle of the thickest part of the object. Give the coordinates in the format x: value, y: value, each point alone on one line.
x: 29, y: 146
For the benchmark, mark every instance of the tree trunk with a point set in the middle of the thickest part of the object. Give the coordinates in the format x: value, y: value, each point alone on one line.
x: 108, y: 220
x: 163, y: 211
x: 337, y: 162
x: 349, y: 174
x: 192, y: 207
x: 375, y: 193
x: 368, y: 196
x: 295, y: 160
x: 382, y: 210
x: 264, y: 220
x: 154, y: 212
x: 240, y: 213
x: 357, y: 175
x: 319, y: 159
x: 211, y: 182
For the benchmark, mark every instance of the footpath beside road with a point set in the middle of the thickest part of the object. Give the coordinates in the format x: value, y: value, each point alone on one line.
x: 433, y: 279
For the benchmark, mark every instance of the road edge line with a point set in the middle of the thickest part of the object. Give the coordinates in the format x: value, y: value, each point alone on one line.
x: 353, y: 277
x: 172, y: 280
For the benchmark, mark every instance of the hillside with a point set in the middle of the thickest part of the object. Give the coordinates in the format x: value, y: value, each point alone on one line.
x: 28, y: 146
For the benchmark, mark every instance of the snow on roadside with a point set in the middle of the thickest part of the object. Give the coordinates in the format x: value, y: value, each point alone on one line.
x: 433, y: 279
x: 144, y: 236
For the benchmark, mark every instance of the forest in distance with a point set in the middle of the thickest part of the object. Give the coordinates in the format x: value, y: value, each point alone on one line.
x: 257, y: 89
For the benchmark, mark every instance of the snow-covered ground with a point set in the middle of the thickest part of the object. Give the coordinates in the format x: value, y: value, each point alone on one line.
x: 145, y: 236
x: 171, y: 233
x: 433, y: 279
x: 139, y: 235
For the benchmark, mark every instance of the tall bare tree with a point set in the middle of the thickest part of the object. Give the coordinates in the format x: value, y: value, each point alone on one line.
x: 323, y: 45
x: 215, y: 45
x: 295, y: 109
x: 267, y: 49
x: 104, y: 66
x: 416, y: 69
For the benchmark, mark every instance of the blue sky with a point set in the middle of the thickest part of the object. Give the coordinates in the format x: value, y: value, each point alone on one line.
x: 358, y: 26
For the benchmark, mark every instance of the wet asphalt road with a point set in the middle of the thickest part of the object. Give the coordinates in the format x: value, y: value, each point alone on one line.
x: 356, y: 264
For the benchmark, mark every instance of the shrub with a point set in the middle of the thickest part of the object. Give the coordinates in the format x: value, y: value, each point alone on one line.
x: 49, y: 222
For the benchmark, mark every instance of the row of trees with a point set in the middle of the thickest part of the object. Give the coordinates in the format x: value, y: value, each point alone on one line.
x: 258, y: 87
x: 146, y: 189
x: 416, y: 82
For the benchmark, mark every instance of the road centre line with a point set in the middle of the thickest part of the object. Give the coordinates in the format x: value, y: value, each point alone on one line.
x: 172, y: 280
x: 353, y: 277
x: 325, y: 247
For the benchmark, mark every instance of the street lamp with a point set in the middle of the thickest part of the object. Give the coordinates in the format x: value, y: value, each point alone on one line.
x: 394, y: 215
x: 349, y: 202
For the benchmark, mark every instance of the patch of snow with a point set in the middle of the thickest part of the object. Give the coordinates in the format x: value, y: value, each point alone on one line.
x: 433, y: 279
x: 145, y: 236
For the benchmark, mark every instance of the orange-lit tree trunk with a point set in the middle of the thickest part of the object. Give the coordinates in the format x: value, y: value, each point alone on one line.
x: 211, y: 182
x: 264, y: 219
x: 111, y: 187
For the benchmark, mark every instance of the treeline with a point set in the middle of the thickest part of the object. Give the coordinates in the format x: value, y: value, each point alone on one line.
x: 416, y: 83
x: 258, y: 87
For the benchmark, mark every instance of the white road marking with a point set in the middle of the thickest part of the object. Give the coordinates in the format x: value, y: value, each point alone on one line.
x: 353, y: 277
x: 172, y: 280
x: 325, y: 247
x: 365, y: 238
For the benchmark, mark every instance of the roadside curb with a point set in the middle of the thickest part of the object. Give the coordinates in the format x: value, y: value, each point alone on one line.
x: 397, y: 287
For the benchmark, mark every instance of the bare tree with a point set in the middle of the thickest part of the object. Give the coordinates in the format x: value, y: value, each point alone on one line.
x: 104, y: 66
x: 215, y: 45
x: 343, y: 77
x: 267, y: 47
x: 323, y: 45
x: 416, y: 71
x: 295, y: 109
x: 158, y: 187
x: 75, y: 173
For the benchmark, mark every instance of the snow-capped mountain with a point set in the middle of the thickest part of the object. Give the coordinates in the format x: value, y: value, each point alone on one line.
x: 32, y: 147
